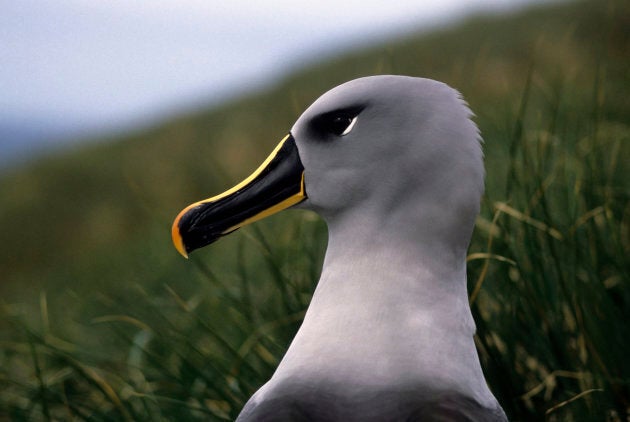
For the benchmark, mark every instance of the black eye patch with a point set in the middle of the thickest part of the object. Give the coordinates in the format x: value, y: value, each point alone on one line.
x: 335, y: 123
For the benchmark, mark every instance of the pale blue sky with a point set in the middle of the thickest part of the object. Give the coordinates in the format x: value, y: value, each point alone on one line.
x: 107, y: 63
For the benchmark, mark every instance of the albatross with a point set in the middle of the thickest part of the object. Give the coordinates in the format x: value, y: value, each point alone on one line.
x: 394, y: 166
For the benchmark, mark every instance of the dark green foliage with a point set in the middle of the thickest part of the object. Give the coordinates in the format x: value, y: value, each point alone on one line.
x: 102, y: 320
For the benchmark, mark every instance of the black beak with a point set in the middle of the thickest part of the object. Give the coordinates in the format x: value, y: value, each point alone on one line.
x: 277, y: 184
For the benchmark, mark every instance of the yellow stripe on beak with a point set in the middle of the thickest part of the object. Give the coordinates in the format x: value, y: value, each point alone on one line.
x: 278, y: 183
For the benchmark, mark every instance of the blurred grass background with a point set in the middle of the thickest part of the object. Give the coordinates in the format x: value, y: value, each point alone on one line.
x: 100, y: 319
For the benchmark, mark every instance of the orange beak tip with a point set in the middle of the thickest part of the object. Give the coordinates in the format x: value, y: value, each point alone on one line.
x: 178, y: 242
x: 181, y: 250
x: 183, y: 253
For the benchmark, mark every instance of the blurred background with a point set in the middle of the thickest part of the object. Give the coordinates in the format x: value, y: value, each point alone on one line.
x: 72, y: 69
x: 116, y: 115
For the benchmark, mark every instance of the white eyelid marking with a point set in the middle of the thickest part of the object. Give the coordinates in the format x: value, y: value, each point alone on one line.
x: 350, y: 126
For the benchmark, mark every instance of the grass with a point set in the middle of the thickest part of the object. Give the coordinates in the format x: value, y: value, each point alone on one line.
x: 101, y: 320
x: 563, y: 225
x: 167, y: 356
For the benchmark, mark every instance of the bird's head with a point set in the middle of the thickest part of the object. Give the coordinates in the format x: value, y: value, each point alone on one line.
x: 378, y: 144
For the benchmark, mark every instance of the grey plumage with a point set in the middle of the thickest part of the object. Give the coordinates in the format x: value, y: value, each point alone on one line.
x: 388, y: 335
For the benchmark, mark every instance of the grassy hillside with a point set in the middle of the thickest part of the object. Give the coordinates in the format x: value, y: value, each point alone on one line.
x: 101, y: 319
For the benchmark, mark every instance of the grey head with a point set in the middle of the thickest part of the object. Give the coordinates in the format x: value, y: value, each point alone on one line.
x: 394, y: 166
x: 410, y: 155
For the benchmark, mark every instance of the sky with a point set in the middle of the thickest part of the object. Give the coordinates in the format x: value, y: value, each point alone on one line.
x: 104, y: 64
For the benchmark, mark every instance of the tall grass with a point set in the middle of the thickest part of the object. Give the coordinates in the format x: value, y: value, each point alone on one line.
x: 548, y: 280
x: 166, y: 356
x: 552, y: 315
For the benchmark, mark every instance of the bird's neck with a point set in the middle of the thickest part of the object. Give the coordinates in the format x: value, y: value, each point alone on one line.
x: 391, y: 311
x: 401, y: 270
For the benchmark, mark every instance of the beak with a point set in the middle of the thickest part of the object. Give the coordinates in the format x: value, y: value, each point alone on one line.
x: 277, y: 184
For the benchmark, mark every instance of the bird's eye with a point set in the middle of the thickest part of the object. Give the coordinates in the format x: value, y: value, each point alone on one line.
x: 341, y: 125
x: 336, y: 123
